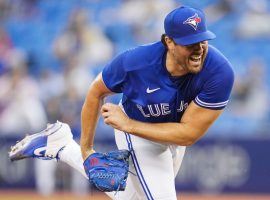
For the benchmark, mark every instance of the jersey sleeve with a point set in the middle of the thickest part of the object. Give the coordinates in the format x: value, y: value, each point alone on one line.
x: 114, y: 74
x: 216, y: 89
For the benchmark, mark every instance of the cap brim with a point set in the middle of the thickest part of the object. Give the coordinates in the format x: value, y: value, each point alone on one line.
x: 192, y: 39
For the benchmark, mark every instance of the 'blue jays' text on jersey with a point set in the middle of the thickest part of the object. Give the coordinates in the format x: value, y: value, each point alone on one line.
x: 150, y: 94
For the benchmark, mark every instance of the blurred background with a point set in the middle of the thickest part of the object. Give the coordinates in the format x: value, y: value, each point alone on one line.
x: 50, y: 51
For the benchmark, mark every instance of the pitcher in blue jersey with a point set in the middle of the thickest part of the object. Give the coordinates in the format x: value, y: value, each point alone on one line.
x: 173, y: 90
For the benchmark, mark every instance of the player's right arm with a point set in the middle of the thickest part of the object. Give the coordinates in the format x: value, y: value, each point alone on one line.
x: 90, y: 113
x: 108, y: 82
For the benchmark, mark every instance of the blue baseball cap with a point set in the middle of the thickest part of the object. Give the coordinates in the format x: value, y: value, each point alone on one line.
x: 186, y: 25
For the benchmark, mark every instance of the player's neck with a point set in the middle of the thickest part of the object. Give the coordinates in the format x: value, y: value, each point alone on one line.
x: 174, y: 68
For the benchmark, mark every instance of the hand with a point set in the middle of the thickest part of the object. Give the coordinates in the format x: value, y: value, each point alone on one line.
x: 114, y: 116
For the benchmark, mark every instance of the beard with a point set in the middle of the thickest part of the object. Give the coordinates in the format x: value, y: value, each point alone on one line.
x: 195, y: 67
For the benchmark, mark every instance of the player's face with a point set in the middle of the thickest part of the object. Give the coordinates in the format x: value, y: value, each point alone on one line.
x: 190, y: 57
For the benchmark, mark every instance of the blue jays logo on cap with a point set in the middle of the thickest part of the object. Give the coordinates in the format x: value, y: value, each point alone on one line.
x: 193, y: 21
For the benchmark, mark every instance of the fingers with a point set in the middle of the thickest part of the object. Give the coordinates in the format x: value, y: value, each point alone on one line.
x: 105, y: 114
x: 107, y: 121
x: 104, y: 108
x: 106, y: 111
x: 112, y: 115
x: 108, y: 107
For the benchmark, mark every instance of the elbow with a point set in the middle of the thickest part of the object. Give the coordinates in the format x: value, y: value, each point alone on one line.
x: 188, y: 140
x: 188, y: 135
x: 191, y: 142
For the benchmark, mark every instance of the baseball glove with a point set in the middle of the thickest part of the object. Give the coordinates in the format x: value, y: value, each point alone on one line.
x: 108, y: 171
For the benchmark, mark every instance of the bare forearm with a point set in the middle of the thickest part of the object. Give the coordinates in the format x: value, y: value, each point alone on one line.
x: 194, y: 123
x: 90, y: 114
x: 171, y: 133
x: 89, y: 117
x: 184, y: 134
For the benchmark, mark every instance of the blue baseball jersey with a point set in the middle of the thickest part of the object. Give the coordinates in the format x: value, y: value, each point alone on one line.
x: 150, y: 94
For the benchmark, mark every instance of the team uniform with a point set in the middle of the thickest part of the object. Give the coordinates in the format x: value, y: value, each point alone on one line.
x: 151, y: 94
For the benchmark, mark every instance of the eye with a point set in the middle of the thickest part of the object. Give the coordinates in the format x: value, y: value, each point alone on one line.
x: 190, y: 46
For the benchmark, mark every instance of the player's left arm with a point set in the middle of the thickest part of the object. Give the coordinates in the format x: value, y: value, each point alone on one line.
x: 193, y: 125
x: 198, y: 117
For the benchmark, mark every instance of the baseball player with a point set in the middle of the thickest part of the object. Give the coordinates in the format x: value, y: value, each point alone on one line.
x: 173, y: 90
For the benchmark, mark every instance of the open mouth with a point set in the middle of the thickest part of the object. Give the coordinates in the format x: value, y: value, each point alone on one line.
x: 196, y: 59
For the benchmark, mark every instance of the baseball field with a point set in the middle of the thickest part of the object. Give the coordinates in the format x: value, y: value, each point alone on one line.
x: 29, y: 195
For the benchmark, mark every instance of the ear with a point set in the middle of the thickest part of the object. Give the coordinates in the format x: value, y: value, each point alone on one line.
x: 170, y: 43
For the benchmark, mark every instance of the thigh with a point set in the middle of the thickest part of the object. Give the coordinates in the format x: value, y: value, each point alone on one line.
x: 131, y: 191
x: 178, y: 153
x: 153, y: 165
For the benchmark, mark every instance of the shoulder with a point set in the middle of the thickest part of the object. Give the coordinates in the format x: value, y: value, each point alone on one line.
x: 215, y: 81
x: 143, y: 56
x: 217, y: 64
